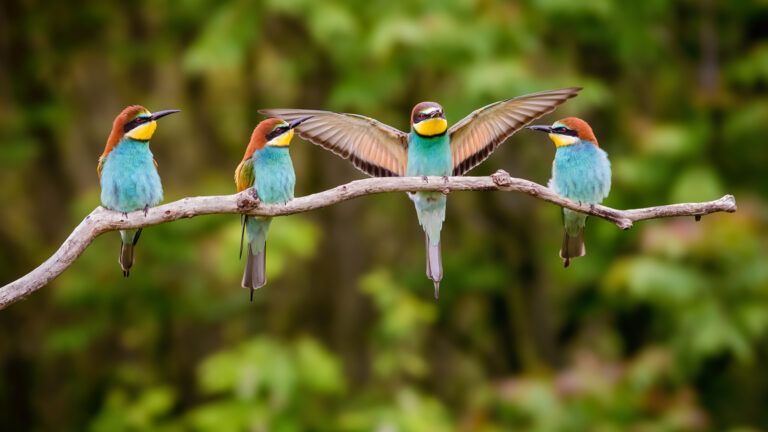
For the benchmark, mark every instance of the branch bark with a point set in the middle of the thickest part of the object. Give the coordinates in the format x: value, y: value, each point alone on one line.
x: 101, y: 220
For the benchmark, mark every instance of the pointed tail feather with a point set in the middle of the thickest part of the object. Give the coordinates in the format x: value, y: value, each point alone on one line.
x: 243, y: 219
x: 255, y: 274
x: 573, y: 246
x: 434, y: 265
x: 128, y: 238
x: 126, y: 258
x: 260, y: 268
x: 430, y: 207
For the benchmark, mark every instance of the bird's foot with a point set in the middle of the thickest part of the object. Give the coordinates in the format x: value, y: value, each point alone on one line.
x: 125, y: 215
x: 445, y: 179
x: 425, y: 179
x: 146, y: 210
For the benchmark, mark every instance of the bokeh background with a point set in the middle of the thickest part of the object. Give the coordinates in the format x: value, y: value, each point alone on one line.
x: 661, y: 328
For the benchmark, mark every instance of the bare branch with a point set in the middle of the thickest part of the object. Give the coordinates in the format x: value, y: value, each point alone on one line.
x: 102, y: 220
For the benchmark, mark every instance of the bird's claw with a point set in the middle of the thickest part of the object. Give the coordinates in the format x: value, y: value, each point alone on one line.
x: 146, y: 210
x: 425, y: 179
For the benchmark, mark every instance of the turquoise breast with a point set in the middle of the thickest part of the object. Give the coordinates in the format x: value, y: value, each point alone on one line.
x: 273, y: 171
x: 581, y: 172
x: 129, y: 178
x: 429, y: 156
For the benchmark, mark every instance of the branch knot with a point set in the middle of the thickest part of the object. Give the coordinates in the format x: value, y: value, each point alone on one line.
x: 501, y: 178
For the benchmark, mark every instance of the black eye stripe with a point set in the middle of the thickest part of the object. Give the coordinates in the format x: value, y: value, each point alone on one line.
x: 135, y: 122
x: 560, y: 130
x: 276, y: 132
x: 425, y: 116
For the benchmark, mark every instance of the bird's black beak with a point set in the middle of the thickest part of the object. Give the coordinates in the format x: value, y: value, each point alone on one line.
x: 163, y: 113
x: 295, y: 123
x: 540, y: 128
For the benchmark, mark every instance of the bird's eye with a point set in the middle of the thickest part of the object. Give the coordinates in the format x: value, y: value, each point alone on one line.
x: 276, y: 132
x: 560, y: 130
x: 133, y: 123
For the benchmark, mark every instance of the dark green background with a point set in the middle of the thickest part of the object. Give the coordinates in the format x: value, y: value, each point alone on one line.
x: 661, y: 328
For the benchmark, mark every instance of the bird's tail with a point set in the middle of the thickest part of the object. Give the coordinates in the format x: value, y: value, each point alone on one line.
x: 255, y: 274
x: 434, y: 264
x: 573, y: 237
x: 430, y: 208
x: 128, y: 239
x: 573, y: 247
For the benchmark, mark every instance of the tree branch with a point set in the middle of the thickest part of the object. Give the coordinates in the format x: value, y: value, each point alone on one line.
x: 102, y: 220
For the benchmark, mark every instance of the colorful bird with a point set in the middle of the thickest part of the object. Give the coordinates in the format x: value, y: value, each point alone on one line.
x: 430, y: 149
x: 581, y: 172
x: 266, y: 166
x: 128, y: 172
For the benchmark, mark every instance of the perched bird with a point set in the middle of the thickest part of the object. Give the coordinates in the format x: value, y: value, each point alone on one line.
x: 581, y: 172
x: 430, y: 149
x: 266, y: 166
x: 128, y: 171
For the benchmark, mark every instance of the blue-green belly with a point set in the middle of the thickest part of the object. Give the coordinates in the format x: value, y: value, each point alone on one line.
x: 129, y: 178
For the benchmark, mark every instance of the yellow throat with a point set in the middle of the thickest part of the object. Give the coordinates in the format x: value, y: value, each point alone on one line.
x: 283, y: 140
x: 143, y: 132
x: 431, y: 127
x: 563, y: 140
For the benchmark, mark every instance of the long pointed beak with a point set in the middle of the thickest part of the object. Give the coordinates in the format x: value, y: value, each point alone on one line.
x: 540, y: 128
x: 163, y: 113
x: 297, y: 122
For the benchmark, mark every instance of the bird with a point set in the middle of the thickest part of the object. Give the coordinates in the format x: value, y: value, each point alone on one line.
x: 429, y: 149
x: 128, y: 172
x: 267, y: 167
x: 581, y: 172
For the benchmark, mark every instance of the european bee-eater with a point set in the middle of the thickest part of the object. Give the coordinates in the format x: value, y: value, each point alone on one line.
x: 266, y: 166
x: 128, y: 171
x: 430, y: 149
x: 581, y: 172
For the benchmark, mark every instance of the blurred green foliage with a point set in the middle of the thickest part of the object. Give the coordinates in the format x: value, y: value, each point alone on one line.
x: 663, y: 328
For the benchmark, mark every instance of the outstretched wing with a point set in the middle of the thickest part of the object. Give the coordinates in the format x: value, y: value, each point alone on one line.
x: 477, y: 135
x: 244, y: 177
x: 373, y: 147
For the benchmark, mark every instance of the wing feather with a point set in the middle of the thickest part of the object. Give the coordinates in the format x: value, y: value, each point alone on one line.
x: 373, y: 147
x: 244, y: 177
x: 476, y: 136
x: 100, y: 165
